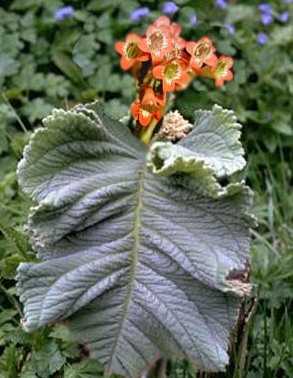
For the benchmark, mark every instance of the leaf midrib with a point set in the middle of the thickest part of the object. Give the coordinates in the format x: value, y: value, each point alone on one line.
x: 134, y: 256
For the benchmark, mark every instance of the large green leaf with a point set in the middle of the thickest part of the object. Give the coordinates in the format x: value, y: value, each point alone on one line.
x: 137, y: 261
x: 211, y: 151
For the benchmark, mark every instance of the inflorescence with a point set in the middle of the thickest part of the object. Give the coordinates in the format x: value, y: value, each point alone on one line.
x: 163, y: 62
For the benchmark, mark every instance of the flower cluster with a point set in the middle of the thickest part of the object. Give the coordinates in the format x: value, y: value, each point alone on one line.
x: 163, y: 62
x: 267, y: 14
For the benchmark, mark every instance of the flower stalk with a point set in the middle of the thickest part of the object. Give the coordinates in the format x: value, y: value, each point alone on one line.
x: 147, y: 132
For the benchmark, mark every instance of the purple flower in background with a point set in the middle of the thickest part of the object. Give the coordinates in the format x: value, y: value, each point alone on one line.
x: 288, y: 1
x: 170, y: 8
x: 284, y: 16
x: 265, y: 8
x: 230, y: 28
x: 266, y: 19
x: 222, y: 4
x: 64, y: 12
x: 262, y: 38
x: 139, y: 13
x: 193, y: 19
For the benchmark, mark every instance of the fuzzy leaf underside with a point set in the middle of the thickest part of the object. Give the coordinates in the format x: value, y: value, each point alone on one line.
x: 137, y: 262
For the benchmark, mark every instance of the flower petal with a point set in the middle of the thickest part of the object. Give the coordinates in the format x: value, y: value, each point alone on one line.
x: 168, y: 85
x: 142, y: 45
x: 158, y: 72
x: 163, y: 20
x: 212, y: 60
x: 190, y: 47
x: 119, y: 47
x: 145, y: 117
x: 229, y: 75
x: 219, y: 82
x: 126, y: 63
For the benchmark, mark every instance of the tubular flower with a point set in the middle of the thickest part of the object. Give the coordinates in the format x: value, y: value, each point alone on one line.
x: 148, y: 108
x: 201, y: 52
x: 157, y: 42
x: 130, y: 51
x: 172, y: 73
x: 221, y: 70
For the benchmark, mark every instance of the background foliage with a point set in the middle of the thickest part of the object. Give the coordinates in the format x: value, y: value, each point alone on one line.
x: 46, y: 63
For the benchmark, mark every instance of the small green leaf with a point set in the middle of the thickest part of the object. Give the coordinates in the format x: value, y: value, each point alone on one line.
x: 8, y: 266
x: 67, y: 66
x: 282, y: 36
x: 61, y: 332
x: 48, y: 359
x: 84, y: 52
x: 239, y: 12
x: 85, y: 369
x: 37, y: 109
x: 7, y: 315
x: 17, y: 238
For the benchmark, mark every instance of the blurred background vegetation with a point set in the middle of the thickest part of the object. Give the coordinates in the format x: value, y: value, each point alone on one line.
x: 51, y: 57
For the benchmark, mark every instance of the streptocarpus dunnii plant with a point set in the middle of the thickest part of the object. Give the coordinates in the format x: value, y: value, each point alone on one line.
x: 137, y: 235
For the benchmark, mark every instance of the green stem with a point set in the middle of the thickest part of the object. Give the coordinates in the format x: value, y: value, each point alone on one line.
x: 147, y: 133
x: 14, y: 113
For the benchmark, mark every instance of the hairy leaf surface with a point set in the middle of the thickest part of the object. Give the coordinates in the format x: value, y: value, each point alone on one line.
x: 137, y: 261
x: 211, y: 151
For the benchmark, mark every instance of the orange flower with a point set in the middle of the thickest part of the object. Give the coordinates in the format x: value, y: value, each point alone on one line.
x: 173, y: 31
x: 148, y: 108
x: 130, y: 51
x: 201, y: 52
x: 179, y: 44
x: 172, y: 73
x: 157, y: 42
x: 221, y: 70
x: 162, y: 21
